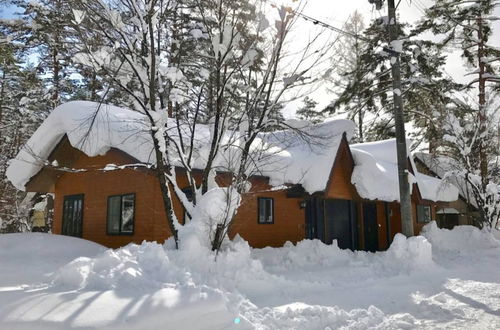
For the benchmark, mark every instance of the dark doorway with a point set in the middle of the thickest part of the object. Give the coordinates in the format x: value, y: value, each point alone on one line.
x: 315, y: 224
x: 341, y: 223
x: 447, y: 221
x: 72, y: 215
x: 370, y: 226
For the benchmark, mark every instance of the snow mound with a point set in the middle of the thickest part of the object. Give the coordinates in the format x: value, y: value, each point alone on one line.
x: 144, y: 266
x: 18, y: 250
x: 300, y: 316
x: 307, y: 253
x: 45, y: 246
x: 461, y: 239
x: 405, y: 255
x: 413, y: 252
x: 151, y: 266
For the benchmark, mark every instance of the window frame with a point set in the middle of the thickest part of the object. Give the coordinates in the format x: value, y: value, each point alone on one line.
x: 120, y: 232
x: 258, y: 210
x: 418, y: 213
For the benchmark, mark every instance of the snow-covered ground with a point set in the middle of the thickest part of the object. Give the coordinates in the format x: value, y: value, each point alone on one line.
x: 444, y: 279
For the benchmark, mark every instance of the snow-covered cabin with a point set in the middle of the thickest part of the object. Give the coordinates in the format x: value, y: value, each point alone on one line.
x: 97, y: 160
x: 464, y: 210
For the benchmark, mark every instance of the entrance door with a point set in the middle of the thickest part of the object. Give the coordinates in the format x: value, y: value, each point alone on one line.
x: 72, y: 215
x: 370, y: 226
x: 340, y: 223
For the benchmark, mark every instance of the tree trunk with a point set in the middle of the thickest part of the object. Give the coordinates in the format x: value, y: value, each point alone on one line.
x: 483, y: 161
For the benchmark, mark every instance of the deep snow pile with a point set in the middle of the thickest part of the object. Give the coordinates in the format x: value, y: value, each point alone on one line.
x: 44, y: 252
x: 150, y: 265
x: 462, y: 239
x: 305, y: 286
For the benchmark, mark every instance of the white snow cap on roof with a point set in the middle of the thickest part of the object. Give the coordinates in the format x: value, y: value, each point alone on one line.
x: 444, y: 166
x: 284, y: 156
x: 375, y: 174
x: 113, y: 127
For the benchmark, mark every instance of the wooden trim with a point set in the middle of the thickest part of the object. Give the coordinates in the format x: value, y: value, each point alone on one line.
x: 387, y: 223
x: 343, y: 142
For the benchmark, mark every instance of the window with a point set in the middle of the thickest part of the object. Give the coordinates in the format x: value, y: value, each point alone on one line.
x: 423, y: 213
x: 266, y: 210
x: 121, y: 214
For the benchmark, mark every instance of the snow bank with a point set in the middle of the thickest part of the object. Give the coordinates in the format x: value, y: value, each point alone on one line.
x: 410, y: 253
x: 305, y: 286
x: 375, y: 174
x: 144, y: 266
x: 300, y: 316
x: 44, y: 246
x: 151, y: 266
x: 45, y: 252
x: 461, y: 239
x: 404, y: 256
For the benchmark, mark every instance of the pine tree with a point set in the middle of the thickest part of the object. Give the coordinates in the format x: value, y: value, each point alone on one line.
x: 368, y: 87
x: 43, y: 29
x: 308, y: 111
x: 467, y: 26
x: 472, y: 127
x: 21, y: 111
x: 348, y: 74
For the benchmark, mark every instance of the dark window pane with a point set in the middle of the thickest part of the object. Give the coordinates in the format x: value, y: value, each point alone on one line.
x: 423, y: 213
x: 128, y: 213
x: 114, y: 214
x: 265, y: 206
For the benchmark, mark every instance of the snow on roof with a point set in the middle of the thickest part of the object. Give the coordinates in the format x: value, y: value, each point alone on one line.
x: 375, y: 174
x: 441, y: 165
x: 448, y: 210
x: 113, y: 127
x: 284, y: 156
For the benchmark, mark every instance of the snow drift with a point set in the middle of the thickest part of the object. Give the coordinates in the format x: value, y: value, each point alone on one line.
x: 72, y: 283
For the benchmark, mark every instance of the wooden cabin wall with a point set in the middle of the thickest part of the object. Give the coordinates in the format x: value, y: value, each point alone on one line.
x: 339, y: 184
x: 289, y: 219
x: 150, y: 220
x: 382, y: 226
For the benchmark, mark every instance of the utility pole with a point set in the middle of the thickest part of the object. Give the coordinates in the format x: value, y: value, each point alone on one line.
x: 404, y: 185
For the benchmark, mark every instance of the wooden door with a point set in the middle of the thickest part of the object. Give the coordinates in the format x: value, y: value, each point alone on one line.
x: 72, y: 221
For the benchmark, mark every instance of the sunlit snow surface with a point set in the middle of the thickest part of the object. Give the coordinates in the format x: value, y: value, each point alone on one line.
x: 444, y: 279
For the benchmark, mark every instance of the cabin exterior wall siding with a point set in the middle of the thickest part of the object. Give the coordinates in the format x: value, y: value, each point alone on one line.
x: 150, y: 218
